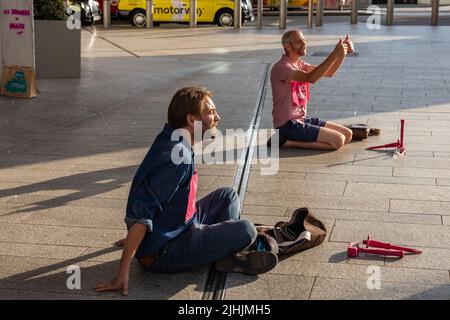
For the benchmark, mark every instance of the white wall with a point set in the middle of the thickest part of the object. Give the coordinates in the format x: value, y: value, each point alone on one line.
x: 1, y: 48
x: 16, y: 44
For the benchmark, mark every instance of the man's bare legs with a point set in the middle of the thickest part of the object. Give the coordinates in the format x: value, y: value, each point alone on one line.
x: 331, y: 137
x: 339, y: 128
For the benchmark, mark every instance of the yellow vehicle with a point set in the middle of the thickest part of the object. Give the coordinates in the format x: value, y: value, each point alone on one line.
x: 220, y: 12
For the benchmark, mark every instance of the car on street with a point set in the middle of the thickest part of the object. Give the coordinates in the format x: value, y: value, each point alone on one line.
x: 90, y: 11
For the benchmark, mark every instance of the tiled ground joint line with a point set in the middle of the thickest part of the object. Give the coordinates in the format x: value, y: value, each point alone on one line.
x: 215, y: 286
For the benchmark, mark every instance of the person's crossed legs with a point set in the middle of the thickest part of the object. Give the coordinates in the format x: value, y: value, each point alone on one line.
x: 216, y: 233
x: 314, y: 134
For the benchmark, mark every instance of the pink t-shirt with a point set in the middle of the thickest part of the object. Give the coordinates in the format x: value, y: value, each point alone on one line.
x: 290, y: 98
x: 192, y: 196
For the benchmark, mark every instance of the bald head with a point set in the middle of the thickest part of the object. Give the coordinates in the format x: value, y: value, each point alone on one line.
x: 288, y: 36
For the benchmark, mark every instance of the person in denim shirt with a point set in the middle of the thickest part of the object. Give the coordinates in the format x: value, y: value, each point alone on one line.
x: 168, y: 230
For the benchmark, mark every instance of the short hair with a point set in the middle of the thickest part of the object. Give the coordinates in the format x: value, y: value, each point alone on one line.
x: 287, y: 36
x: 188, y: 100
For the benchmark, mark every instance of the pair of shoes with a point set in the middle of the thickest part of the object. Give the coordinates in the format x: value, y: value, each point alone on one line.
x: 281, y: 140
x: 252, y: 263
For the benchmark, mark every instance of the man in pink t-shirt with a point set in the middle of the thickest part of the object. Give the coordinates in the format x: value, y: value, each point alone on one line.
x: 290, y: 79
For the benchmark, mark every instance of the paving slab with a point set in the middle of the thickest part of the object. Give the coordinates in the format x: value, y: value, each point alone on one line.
x: 446, y: 220
x: 26, y: 294
x: 88, y: 217
x: 41, y: 251
x: 32, y: 204
x: 408, y: 162
x: 438, y: 154
x: 265, y: 210
x: 377, y: 216
x: 431, y: 259
x: 294, y: 186
x: 399, y: 233
x: 398, y: 191
x: 266, y: 220
x: 443, y: 182
x: 58, y: 235
x: 425, y: 173
x: 360, y: 272
x: 396, y: 179
x: 51, y: 276
x: 315, y: 201
x: 289, y: 287
x: 420, y: 206
x: 332, y: 289
x: 334, y: 168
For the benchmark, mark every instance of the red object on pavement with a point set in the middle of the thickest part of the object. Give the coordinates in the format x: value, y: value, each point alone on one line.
x: 354, y: 250
x: 399, y: 144
x: 378, y: 244
x: 385, y: 248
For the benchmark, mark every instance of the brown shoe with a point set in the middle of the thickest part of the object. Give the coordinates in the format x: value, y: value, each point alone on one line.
x: 253, y: 262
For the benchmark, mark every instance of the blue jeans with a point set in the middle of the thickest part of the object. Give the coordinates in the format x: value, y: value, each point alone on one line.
x: 215, y: 233
x: 307, y: 131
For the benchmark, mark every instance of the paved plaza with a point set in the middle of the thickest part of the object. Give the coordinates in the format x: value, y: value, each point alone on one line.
x: 67, y: 159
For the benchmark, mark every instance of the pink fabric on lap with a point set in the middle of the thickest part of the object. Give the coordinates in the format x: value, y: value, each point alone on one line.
x: 192, y: 196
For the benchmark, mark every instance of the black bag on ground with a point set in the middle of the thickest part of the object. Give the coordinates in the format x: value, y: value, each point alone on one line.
x: 362, y: 131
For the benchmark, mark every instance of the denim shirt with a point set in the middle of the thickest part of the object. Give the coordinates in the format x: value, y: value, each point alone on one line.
x: 159, y: 192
